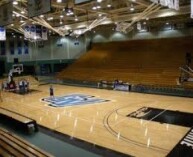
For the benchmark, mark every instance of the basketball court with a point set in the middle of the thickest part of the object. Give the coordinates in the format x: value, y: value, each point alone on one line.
x: 106, y: 118
x: 83, y: 72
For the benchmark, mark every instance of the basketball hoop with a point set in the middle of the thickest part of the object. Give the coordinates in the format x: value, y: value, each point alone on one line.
x: 17, y: 68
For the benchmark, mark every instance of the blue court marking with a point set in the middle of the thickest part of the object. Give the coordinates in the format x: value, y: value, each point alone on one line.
x: 72, y: 100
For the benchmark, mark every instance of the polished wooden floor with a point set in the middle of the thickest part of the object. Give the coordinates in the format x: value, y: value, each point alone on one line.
x: 105, y: 124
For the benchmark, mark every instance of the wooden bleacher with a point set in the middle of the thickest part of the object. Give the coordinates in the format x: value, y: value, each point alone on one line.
x: 153, y: 62
x: 24, y: 123
x: 12, y: 145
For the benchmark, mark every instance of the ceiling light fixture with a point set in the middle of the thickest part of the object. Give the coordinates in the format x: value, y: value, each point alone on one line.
x: 50, y: 18
x: 21, y: 20
x: 76, y: 18
x: 59, y: 1
x: 94, y: 8
x: 69, y: 11
x: 22, y: 12
x: 99, y: 1
x: 15, y: 2
x: 108, y: 5
x: 132, y: 8
x: 98, y: 7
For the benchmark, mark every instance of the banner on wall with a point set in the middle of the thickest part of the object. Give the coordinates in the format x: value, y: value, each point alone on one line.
x: 38, y: 7
x: 32, y: 31
x: 12, y: 48
x: 38, y: 32
x: 176, y: 5
x: 44, y: 33
x: 35, y: 32
x: 27, y: 32
x: 191, y: 8
x: 26, y: 51
x: 3, y: 48
x: 2, y: 34
x: 173, y: 4
x: 19, y: 47
x: 6, y: 11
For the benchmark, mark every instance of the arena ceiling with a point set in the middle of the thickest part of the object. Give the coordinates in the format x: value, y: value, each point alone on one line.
x: 68, y: 15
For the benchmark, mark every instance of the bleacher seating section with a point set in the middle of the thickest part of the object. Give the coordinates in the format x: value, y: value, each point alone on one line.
x: 12, y: 145
x: 22, y: 122
x: 148, y: 62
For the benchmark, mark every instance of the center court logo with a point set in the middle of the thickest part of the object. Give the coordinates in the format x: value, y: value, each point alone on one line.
x: 72, y: 100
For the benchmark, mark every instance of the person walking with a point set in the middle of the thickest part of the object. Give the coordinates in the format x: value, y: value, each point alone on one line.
x: 51, y: 91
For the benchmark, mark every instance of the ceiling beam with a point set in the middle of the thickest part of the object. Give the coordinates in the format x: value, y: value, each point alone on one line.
x: 162, y: 13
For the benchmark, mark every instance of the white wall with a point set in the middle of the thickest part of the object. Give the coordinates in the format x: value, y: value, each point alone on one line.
x: 68, y: 49
x: 111, y: 35
x: 56, y: 48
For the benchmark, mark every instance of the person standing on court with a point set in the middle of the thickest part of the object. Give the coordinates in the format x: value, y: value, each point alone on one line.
x: 51, y: 91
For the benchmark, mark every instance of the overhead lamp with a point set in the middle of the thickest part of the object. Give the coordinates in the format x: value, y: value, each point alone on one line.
x: 59, y: 1
x: 22, y: 12
x: 50, y: 18
x: 108, y: 5
x: 21, y: 21
x: 99, y: 1
x: 15, y: 2
x: 132, y: 8
x: 61, y: 22
x: 94, y: 8
x: 42, y: 16
x: 76, y: 19
x: 69, y: 11
x: 98, y: 7
x: 61, y: 16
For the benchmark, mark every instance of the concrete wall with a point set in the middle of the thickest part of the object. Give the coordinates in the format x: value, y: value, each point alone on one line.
x: 67, y: 49
x: 53, y: 51
x: 56, y: 48
x: 111, y: 35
